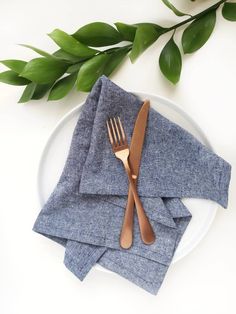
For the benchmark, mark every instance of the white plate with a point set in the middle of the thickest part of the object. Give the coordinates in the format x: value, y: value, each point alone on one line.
x: 55, y: 152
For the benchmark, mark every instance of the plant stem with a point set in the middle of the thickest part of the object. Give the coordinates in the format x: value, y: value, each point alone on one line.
x: 196, y: 16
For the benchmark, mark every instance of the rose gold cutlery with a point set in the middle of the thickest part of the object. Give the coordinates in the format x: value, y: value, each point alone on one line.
x: 120, y: 148
x: 136, y: 145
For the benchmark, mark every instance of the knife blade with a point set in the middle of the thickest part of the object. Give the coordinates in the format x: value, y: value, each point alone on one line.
x: 136, y: 146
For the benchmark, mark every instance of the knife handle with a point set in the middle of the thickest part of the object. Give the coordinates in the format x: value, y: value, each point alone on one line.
x: 147, y: 234
x: 126, y: 235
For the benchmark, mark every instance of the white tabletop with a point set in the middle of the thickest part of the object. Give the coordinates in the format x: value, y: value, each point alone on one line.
x: 33, y: 278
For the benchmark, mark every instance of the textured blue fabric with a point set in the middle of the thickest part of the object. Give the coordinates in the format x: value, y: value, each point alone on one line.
x: 85, y: 211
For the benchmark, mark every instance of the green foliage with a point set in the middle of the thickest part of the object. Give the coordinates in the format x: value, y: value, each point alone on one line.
x: 127, y: 31
x: 90, y: 71
x: 62, y: 87
x: 98, y: 34
x: 28, y: 92
x: 43, y: 70
x: 170, y: 61
x: 71, y: 45
x: 76, y: 62
x: 38, y: 51
x: 229, y: 11
x: 104, y: 63
x: 65, y: 56
x: 198, y: 32
x: 12, y: 78
x: 115, y: 60
x: 15, y: 65
x: 173, y: 8
x: 41, y: 90
x: 145, y: 36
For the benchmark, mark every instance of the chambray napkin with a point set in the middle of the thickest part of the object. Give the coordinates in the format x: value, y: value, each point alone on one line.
x: 85, y: 211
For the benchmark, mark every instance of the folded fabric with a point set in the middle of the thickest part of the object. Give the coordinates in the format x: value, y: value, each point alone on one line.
x: 85, y: 211
x: 145, y: 272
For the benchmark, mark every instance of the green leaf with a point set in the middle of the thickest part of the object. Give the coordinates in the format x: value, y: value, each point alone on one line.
x: 156, y: 26
x: 15, y: 65
x: 63, y: 55
x: 12, y: 78
x: 71, y: 45
x: 229, y: 11
x: 98, y: 34
x: 173, y: 8
x: 37, y: 50
x: 170, y: 61
x: 41, y: 90
x: 28, y: 93
x: 74, y: 67
x: 198, y: 32
x: 145, y: 36
x: 90, y: 71
x: 62, y: 87
x: 127, y: 31
x: 115, y: 60
x: 42, y: 70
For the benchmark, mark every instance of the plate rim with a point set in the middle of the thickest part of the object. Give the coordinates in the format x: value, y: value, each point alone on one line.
x: 143, y: 95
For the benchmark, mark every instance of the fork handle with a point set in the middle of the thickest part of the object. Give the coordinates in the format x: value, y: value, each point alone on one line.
x: 126, y: 235
x: 146, y: 230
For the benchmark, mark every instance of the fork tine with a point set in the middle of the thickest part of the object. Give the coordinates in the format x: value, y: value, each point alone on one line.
x: 114, y: 133
x: 117, y: 130
x: 122, y: 131
x: 109, y: 133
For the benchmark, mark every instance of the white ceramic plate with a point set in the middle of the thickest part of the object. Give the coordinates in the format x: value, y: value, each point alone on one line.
x: 55, y: 152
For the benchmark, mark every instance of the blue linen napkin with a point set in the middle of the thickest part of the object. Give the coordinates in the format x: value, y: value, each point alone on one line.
x: 85, y: 211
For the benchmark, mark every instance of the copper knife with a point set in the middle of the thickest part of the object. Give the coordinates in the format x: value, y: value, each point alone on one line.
x: 136, y: 145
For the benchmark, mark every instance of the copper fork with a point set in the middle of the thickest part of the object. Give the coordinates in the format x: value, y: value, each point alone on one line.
x: 120, y: 148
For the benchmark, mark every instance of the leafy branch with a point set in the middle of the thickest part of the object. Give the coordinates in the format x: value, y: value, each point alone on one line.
x: 79, y: 63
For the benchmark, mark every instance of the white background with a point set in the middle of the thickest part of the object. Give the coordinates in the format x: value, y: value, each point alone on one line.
x: 33, y: 278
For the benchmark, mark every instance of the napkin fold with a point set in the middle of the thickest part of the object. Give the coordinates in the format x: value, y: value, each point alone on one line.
x: 85, y: 211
